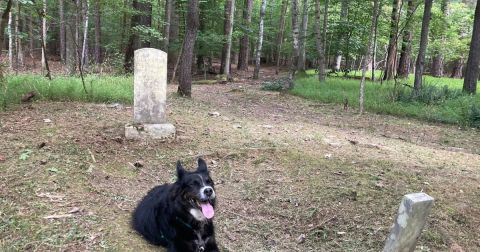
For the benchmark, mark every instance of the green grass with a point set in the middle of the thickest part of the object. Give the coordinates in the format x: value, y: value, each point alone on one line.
x: 384, y: 99
x: 99, y: 89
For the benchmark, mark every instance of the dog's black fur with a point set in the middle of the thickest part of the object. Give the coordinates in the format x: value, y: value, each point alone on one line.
x: 163, y: 216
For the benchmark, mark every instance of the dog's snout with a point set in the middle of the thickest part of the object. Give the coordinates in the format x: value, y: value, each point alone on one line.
x: 208, y: 191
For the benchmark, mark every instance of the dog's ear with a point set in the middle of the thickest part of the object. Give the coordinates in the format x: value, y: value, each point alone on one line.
x: 202, y: 166
x: 180, y: 170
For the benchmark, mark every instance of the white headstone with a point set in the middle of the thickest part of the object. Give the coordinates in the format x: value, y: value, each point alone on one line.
x: 150, y: 96
x: 411, y: 218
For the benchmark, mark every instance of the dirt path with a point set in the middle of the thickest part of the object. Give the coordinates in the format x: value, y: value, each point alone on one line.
x: 292, y: 175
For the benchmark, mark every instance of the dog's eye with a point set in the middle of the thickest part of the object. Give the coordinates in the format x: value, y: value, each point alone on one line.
x: 209, y: 181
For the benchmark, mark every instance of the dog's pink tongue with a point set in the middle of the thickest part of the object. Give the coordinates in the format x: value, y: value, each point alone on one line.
x: 207, y: 210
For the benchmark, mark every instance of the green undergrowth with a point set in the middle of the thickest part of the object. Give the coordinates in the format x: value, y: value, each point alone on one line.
x: 96, y: 89
x: 441, y: 99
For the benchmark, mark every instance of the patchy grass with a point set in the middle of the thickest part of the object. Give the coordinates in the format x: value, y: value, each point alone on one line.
x: 98, y: 89
x: 436, y: 103
x: 289, y: 171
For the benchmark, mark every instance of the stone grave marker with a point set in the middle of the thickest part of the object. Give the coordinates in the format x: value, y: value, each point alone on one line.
x: 411, y: 218
x: 150, y: 97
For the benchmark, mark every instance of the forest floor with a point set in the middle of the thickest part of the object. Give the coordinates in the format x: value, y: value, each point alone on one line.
x: 291, y: 174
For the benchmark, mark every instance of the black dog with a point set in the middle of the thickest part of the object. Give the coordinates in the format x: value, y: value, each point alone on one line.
x: 179, y: 216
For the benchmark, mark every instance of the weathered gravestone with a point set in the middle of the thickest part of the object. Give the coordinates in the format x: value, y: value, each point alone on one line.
x: 411, y: 218
x: 150, y: 96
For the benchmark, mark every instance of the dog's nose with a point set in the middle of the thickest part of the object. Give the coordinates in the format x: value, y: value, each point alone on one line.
x: 208, y: 191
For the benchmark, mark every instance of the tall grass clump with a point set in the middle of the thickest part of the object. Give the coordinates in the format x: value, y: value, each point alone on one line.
x: 437, y: 102
x: 97, y: 89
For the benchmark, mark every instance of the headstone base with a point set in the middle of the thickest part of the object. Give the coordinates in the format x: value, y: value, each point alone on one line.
x: 150, y: 131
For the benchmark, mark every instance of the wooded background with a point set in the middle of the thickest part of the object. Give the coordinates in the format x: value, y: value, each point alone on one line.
x: 221, y: 36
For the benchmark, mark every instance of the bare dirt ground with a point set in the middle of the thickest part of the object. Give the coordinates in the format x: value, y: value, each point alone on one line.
x: 291, y: 174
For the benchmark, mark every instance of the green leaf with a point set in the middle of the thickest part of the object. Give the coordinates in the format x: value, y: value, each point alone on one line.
x: 25, y: 154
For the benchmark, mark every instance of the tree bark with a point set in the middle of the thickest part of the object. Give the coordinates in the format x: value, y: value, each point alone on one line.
x: 260, y: 40
x: 375, y: 37
x: 457, y: 71
x: 303, y: 38
x: 389, y: 71
x: 281, y: 34
x: 228, y: 50
x: 367, y: 55
x: 437, y: 61
x: 61, y: 10
x: 319, y: 43
x: 84, y: 58
x: 10, y: 41
x: 185, y: 78
x: 226, y: 29
x: 166, y: 27
x: 18, y: 40
x: 423, y: 47
x: 472, y: 70
x: 244, y: 41
x: 142, y: 17
x: 4, y: 22
x: 294, y: 60
x: 44, y: 35
x: 98, y: 32
x: 406, y: 53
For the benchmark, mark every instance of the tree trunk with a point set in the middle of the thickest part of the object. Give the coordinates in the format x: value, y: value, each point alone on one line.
x: 389, y: 72
x: 294, y: 60
x: 457, y: 71
x: 244, y: 41
x: 61, y: 10
x: 325, y: 26
x: 166, y: 27
x: 185, y: 79
x: 4, y: 22
x: 226, y: 29
x: 319, y: 43
x: 31, y: 49
x: 260, y: 40
x: 343, y: 17
x: 472, y: 71
x: 367, y: 55
x: 98, y: 32
x: 18, y: 40
x: 423, y: 47
x: 44, y: 34
x: 281, y: 34
x: 405, y: 54
x: 375, y: 37
x: 437, y: 61
x: 142, y: 17
x: 84, y: 58
x: 10, y: 41
x: 228, y: 50
x: 303, y: 37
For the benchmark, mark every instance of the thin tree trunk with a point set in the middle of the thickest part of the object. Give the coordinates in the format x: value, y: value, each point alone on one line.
x: 472, y: 70
x: 405, y: 54
x: 294, y: 60
x: 375, y: 37
x: 281, y: 33
x: 31, y: 49
x: 325, y: 26
x: 226, y: 30
x: 228, y: 51
x: 18, y: 40
x: 389, y: 72
x: 98, y: 32
x: 343, y: 17
x: 260, y: 40
x: 244, y: 41
x: 303, y: 38
x: 10, y: 41
x: 44, y: 35
x: 61, y: 10
x: 166, y: 27
x: 367, y: 55
x: 437, y: 61
x: 320, y: 51
x: 84, y: 59
x: 423, y: 47
x: 185, y: 79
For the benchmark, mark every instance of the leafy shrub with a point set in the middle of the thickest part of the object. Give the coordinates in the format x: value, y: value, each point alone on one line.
x: 275, y: 85
x: 473, y: 115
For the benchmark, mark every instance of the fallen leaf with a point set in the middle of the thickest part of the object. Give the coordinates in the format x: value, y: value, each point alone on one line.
x: 74, y: 210
x: 301, y: 238
x: 2, y: 158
